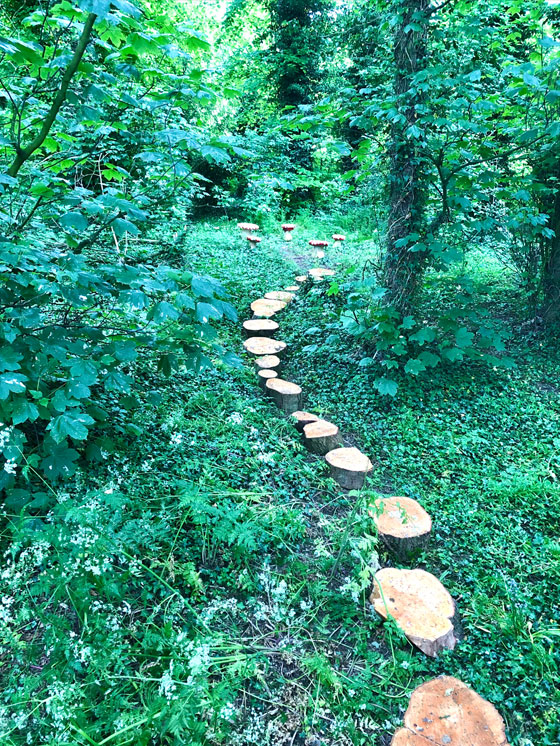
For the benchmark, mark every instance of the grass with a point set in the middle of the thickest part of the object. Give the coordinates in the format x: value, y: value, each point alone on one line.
x: 207, y: 582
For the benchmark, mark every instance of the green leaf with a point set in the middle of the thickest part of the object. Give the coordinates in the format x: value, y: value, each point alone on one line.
x: 414, y: 367
x: 72, y: 423
x: 11, y: 382
x: 205, y: 312
x: 24, y: 410
x: 74, y: 220
x: 386, y: 386
x: 463, y: 337
x: 59, y: 462
x: 426, y: 334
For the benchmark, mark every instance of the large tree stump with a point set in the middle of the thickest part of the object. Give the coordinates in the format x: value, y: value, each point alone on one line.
x: 260, y: 327
x: 301, y: 279
x: 318, y: 273
x: 403, y: 525
x: 286, y: 395
x: 282, y: 295
x: 265, y: 308
x: 321, y: 436
x: 420, y: 605
x: 301, y: 419
x: 264, y: 346
x: 267, y: 361
x: 266, y: 375
x: 349, y: 467
x: 445, y: 712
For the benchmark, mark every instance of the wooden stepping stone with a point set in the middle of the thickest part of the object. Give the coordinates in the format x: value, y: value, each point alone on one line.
x: 302, y: 419
x: 260, y: 327
x: 279, y: 295
x: 321, y: 436
x: 266, y: 375
x: 267, y: 361
x: 445, y: 712
x: 292, y: 288
x: 403, y: 524
x: 265, y: 308
x: 319, y: 272
x: 286, y: 395
x: 301, y: 279
x: 349, y: 467
x: 264, y: 346
x: 420, y: 605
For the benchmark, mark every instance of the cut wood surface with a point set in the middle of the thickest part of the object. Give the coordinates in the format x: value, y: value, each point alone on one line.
x: 302, y: 419
x: 286, y: 395
x: 349, y: 467
x: 266, y: 308
x: 321, y: 436
x: 402, y: 523
x: 264, y: 346
x: 267, y: 361
x: 445, y: 712
x: 301, y: 279
x: 279, y: 295
x: 319, y: 272
x: 264, y: 375
x: 420, y: 605
x: 260, y: 327
x: 292, y: 288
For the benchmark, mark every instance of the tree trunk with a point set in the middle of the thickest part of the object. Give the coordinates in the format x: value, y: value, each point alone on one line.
x: 403, y: 268
x: 551, y: 279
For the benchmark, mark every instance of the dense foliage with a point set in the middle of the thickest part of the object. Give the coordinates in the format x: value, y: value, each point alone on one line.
x: 176, y: 568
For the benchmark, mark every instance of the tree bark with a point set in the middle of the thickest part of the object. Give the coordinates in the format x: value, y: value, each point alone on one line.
x: 551, y: 279
x: 403, y: 268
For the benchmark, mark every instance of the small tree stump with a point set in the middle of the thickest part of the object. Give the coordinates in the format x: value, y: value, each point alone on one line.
x: 403, y: 525
x: 267, y: 361
x: 301, y: 279
x: 264, y: 346
x: 280, y: 295
x: 292, y: 288
x: 445, y: 712
x: 349, y: 467
x: 301, y: 419
x: 321, y: 436
x: 286, y: 395
x: 260, y: 327
x: 266, y: 375
x: 264, y: 308
x: 318, y: 273
x: 419, y: 604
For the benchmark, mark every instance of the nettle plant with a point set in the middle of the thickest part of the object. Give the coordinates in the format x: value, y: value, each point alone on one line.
x: 81, y: 174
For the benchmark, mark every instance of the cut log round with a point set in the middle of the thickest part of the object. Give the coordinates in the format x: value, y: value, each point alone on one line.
x: 292, y: 288
x: 445, y: 712
x: 267, y: 361
x: 260, y: 327
x: 286, y: 395
x: 301, y: 419
x: 318, y: 273
x: 301, y: 279
x: 403, y: 524
x: 349, y: 467
x: 279, y: 295
x: 264, y: 308
x: 321, y: 436
x: 266, y: 375
x: 420, y: 605
x: 264, y: 346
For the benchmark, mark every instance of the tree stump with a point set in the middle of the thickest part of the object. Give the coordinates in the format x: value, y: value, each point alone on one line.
x: 301, y: 279
x: 264, y: 308
x: 286, y: 395
x: 267, y: 361
x: 280, y: 295
x: 349, y: 467
x: 266, y: 375
x: 403, y: 525
x: 420, y: 605
x: 292, y: 288
x: 264, y: 346
x: 445, y: 712
x: 318, y: 273
x: 260, y: 327
x: 301, y: 419
x: 321, y: 436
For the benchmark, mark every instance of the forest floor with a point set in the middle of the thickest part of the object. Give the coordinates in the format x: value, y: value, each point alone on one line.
x: 216, y: 519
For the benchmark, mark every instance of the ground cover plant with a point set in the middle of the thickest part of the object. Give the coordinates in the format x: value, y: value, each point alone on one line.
x: 178, y: 568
